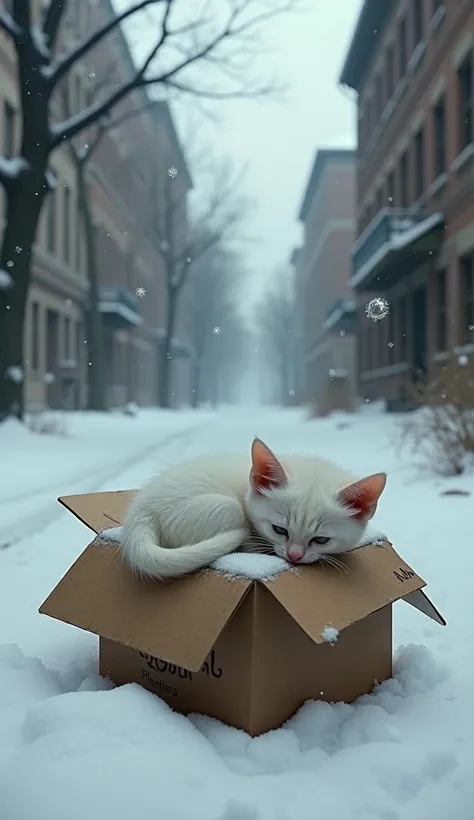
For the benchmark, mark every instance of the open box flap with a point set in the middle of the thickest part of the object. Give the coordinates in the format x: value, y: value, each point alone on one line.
x: 420, y: 601
x: 176, y: 621
x: 99, y: 511
x: 321, y: 595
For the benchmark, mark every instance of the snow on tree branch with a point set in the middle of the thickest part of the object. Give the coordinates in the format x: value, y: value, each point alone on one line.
x: 8, y: 25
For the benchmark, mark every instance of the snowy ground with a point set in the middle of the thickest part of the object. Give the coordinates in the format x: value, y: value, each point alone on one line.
x: 72, y: 748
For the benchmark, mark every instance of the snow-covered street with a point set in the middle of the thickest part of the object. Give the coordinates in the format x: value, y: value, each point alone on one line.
x: 73, y: 747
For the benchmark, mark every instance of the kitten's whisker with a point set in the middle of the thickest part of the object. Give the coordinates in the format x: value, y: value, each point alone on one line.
x: 332, y: 561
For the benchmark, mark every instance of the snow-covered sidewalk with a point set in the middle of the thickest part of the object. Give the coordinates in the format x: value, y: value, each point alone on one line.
x: 70, y: 746
x: 94, y: 449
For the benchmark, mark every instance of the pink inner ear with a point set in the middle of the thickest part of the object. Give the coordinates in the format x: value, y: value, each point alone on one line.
x: 362, y: 496
x: 267, y: 472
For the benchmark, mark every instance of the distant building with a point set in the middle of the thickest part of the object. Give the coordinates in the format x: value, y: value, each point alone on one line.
x: 412, y: 64
x: 323, y: 272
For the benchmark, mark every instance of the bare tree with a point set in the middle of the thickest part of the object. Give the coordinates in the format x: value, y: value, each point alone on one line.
x: 210, y: 40
x: 215, y: 280
x: 183, y: 244
x: 276, y: 316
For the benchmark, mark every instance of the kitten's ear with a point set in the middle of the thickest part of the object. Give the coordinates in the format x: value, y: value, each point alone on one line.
x: 266, y: 472
x: 362, y: 496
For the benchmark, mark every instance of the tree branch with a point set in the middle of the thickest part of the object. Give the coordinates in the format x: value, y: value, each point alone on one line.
x: 66, y: 130
x: 52, y: 20
x: 63, y: 65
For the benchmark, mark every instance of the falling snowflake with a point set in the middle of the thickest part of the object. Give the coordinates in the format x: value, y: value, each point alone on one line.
x: 291, y: 392
x: 86, y: 146
x: 216, y: 330
x: 169, y: 356
x: 49, y: 378
x: 172, y: 172
x: 471, y: 327
x: 188, y: 259
x: 10, y: 263
x: 463, y: 360
x: 390, y: 344
x: 342, y: 333
x: 91, y: 75
x: 140, y: 292
x: 18, y: 249
x: 378, y: 308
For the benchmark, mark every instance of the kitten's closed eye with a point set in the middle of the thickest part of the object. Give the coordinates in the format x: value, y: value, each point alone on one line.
x: 280, y: 530
x: 319, y: 539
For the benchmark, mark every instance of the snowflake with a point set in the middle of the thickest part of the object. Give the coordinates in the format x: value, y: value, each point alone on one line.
x: 172, y: 172
x: 291, y: 392
x: 49, y: 378
x: 391, y: 344
x: 378, y: 308
x: 10, y: 263
x: 342, y: 333
x: 188, y: 259
x: 216, y: 330
x: 18, y: 249
x: 463, y: 360
x: 91, y: 75
x: 140, y: 292
x: 471, y: 327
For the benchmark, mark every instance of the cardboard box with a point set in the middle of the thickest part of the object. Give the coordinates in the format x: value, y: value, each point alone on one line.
x: 248, y: 653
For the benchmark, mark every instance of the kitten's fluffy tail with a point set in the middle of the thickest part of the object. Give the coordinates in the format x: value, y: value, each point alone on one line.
x: 148, y: 558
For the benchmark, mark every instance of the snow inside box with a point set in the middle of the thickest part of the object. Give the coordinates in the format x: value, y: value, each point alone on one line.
x: 246, y: 650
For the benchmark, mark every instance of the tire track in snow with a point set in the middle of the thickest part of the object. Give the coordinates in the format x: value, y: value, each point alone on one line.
x: 35, y: 522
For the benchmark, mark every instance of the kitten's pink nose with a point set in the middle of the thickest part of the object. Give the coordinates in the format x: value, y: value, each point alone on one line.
x: 295, y: 553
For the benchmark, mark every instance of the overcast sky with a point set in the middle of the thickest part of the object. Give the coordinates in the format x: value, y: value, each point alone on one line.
x: 278, y: 139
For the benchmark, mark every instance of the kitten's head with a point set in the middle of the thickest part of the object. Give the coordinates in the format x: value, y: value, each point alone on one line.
x: 305, y: 521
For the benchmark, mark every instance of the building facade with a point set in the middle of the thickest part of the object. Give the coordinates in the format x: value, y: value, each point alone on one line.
x: 323, y: 272
x: 411, y: 63
x: 124, y: 180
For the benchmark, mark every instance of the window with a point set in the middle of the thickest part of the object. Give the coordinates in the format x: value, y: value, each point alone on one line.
x: 51, y: 223
x: 67, y: 224
x: 418, y: 21
x: 465, y: 93
x: 439, y: 122
x: 8, y: 130
x: 441, y: 312
x: 404, y: 180
x: 420, y: 163
x: 467, y: 296
x: 390, y: 74
x: 78, y: 239
x: 35, y: 341
x: 402, y: 328
x: 391, y: 189
x: 402, y: 47
x: 67, y: 338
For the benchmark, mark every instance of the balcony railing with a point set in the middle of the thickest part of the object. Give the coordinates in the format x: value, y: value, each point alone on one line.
x: 119, y: 307
x: 394, y: 233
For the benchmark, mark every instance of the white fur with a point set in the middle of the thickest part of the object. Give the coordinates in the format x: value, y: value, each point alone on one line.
x: 201, y: 510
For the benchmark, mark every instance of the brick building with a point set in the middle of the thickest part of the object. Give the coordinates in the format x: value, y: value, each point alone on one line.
x: 411, y: 63
x: 124, y: 176
x: 323, y: 271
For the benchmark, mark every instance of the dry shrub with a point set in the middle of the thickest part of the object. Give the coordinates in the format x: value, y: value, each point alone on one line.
x: 442, y: 429
x: 46, y: 424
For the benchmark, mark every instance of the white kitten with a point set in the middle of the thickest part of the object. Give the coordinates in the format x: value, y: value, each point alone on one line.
x: 301, y: 508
